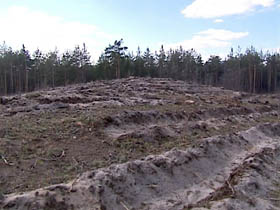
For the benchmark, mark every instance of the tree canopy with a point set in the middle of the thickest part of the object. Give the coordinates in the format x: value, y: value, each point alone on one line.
x: 114, y: 53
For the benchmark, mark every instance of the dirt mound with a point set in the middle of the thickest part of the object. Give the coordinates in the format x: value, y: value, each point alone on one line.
x: 237, y: 171
x: 153, y: 125
x: 147, y: 125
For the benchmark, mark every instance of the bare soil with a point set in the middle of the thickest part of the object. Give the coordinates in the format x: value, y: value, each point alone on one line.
x: 74, y: 134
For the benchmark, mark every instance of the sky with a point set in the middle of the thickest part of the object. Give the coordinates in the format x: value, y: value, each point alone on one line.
x: 211, y: 27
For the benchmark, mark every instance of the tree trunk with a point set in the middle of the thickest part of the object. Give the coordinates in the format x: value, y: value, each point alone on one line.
x: 255, y: 72
x: 64, y: 76
x: 52, y: 70
x: 275, y: 80
x: 261, y: 85
x: 19, y: 82
x: 250, y: 78
x: 1, y: 83
x: 239, y: 76
x: 118, y: 69
x: 269, y: 79
x: 5, y: 82
x: 45, y: 79
x: 12, y: 79
x: 38, y: 78
x: 26, y: 80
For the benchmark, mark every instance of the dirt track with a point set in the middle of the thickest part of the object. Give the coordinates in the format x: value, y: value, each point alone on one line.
x: 49, y: 137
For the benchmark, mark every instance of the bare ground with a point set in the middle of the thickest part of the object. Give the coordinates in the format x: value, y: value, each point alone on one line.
x: 50, y: 137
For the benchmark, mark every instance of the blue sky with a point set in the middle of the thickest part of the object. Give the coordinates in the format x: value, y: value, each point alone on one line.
x: 209, y: 26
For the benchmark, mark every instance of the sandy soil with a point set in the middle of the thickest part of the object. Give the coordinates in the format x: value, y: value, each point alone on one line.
x: 139, y: 144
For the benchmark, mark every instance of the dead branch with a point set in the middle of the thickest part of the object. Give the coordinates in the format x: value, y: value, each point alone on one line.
x: 231, y: 188
x: 125, y: 206
x: 62, y: 154
x: 5, y: 161
x: 54, y: 159
x: 72, y: 184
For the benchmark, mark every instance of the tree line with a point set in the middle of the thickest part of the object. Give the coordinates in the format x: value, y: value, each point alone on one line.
x: 251, y: 71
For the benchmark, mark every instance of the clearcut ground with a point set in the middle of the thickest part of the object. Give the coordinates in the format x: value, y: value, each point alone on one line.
x: 51, y: 136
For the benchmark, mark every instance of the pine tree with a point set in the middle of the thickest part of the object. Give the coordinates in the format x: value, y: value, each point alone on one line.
x: 115, y: 53
x: 161, y: 62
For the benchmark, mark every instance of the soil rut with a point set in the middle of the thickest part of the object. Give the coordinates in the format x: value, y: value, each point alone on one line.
x: 235, y: 171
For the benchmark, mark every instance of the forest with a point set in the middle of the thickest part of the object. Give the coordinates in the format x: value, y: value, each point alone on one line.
x: 22, y: 71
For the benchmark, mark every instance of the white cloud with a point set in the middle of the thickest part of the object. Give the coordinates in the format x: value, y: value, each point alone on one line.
x: 20, y: 25
x: 210, y: 41
x: 211, y: 38
x: 218, y: 21
x: 220, y: 8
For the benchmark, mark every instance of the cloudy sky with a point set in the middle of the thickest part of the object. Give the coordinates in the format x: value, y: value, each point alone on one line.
x: 208, y: 26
